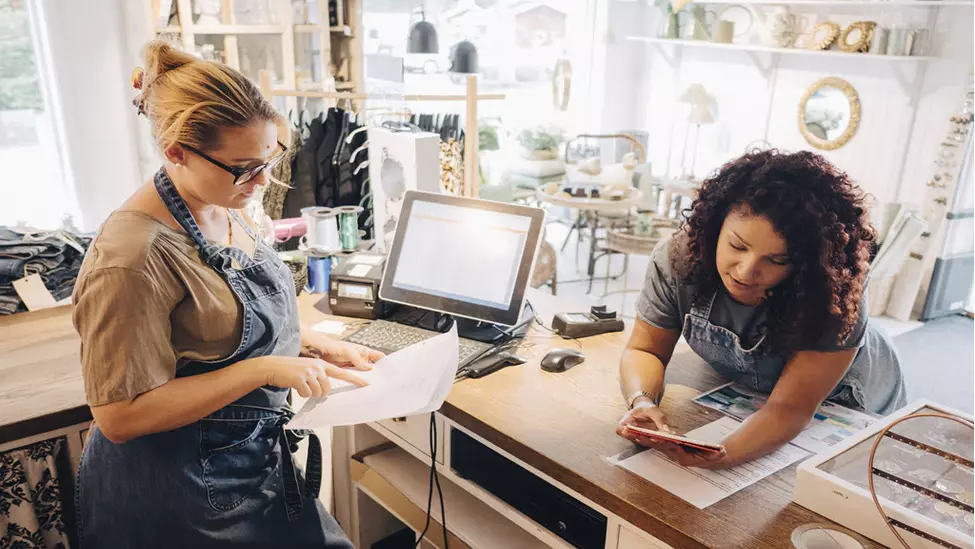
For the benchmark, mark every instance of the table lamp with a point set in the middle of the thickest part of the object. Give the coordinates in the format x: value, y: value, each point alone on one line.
x: 700, y: 113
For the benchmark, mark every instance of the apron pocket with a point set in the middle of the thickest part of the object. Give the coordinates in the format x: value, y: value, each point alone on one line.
x: 238, y: 457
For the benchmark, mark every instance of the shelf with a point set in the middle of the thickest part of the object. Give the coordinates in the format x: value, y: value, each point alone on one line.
x: 346, y: 30
x: 168, y: 30
x: 340, y: 86
x: 857, y: 3
x: 238, y: 29
x: 766, y: 49
x: 470, y: 519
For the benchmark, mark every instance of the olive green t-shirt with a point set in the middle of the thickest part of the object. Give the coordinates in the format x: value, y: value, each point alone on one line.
x: 145, y: 304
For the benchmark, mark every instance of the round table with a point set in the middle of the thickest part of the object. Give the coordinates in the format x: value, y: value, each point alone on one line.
x: 594, y: 206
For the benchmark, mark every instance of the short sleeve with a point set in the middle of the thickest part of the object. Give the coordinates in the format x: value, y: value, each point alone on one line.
x: 658, y: 304
x: 857, y: 335
x: 122, y: 317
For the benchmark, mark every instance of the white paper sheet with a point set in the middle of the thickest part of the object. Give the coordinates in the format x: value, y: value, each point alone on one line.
x: 831, y: 425
x: 703, y: 487
x: 414, y: 380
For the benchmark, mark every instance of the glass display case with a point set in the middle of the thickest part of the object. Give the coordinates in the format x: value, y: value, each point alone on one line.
x: 922, y: 474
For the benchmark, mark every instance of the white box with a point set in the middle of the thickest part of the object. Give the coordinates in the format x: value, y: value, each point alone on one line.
x: 834, y: 485
x: 399, y: 162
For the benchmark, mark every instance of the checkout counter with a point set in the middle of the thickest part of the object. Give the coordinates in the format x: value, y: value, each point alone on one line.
x: 525, y: 456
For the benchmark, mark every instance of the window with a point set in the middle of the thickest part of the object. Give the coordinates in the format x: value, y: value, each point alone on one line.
x: 518, y: 42
x: 32, y: 179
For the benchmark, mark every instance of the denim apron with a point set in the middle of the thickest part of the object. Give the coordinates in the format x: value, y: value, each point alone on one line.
x: 873, y: 383
x: 227, y: 480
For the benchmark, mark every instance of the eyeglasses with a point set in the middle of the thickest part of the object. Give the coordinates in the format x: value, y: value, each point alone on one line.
x: 243, y: 175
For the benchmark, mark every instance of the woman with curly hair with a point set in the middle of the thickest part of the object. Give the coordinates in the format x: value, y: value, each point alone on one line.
x: 766, y: 281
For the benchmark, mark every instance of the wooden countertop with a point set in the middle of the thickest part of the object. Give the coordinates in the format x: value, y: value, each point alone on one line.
x: 564, y: 425
x: 561, y: 424
x: 40, y: 374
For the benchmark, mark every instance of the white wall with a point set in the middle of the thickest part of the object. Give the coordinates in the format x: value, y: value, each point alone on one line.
x: 93, y: 92
x: 757, y: 95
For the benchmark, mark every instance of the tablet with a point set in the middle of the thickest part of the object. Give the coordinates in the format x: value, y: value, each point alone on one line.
x: 677, y: 439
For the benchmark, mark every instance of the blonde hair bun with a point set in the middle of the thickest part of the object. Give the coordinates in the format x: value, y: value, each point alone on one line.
x: 188, y: 100
x: 161, y: 57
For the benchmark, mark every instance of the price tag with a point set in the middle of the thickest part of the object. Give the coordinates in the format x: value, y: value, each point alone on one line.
x: 33, y: 293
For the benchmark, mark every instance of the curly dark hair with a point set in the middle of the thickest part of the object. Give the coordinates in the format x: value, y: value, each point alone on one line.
x: 821, y: 215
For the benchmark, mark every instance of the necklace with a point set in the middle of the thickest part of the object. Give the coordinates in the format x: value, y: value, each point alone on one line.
x: 230, y: 229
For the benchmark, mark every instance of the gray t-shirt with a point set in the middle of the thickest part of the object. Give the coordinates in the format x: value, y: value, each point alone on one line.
x: 665, y: 301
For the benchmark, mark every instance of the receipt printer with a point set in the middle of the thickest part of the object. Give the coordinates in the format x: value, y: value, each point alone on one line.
x: 353, y: 288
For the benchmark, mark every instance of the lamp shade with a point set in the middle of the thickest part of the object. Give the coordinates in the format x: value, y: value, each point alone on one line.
x: 423, y: 38
x: 701, y: 102
x: 463, y: 58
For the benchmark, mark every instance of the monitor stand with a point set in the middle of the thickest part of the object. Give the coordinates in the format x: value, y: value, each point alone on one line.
x: 467, y: 328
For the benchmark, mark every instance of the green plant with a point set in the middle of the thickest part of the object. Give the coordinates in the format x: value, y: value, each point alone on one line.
x: 487, y: 137
x: 543, y: 138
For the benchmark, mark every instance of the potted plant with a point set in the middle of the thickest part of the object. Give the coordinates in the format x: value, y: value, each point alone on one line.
x: 540, y: 143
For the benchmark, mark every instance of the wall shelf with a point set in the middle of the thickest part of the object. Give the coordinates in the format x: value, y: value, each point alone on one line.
x: 238, y: 29
x: 766, y: 49
x: 854, y: 3
x: 344, y: 29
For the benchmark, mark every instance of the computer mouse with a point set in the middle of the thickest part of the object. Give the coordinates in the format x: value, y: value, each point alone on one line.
x: 560, y: 360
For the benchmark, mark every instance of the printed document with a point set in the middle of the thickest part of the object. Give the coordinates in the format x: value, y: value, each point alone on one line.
x: 831, y: 425
x: 412, y: 381
x: 704, y: 487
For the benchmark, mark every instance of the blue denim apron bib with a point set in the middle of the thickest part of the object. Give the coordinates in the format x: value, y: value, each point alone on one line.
x: 228, y: 480
x: 873, y: 383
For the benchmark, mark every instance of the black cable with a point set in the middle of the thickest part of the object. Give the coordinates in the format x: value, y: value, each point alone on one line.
x: 429, y: 497
x: 434, y: 478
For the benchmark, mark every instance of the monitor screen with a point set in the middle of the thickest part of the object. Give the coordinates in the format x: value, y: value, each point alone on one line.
x: 462, y: 256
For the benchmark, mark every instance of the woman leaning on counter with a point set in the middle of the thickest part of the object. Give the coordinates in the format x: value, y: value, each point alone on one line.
x: 190, y: 338
x: 766, y: 281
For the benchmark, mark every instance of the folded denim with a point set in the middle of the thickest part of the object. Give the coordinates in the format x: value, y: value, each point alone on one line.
x: 49, y: 254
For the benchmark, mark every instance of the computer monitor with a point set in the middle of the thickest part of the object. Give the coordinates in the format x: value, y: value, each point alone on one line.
x: 462, y: 256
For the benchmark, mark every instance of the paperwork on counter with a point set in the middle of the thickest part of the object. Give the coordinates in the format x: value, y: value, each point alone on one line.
x: 412, y: 381
x: 831, y: 425
x: 704, y: 487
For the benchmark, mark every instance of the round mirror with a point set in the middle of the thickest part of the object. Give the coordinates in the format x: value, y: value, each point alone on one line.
x: 824, y: 35
x: 829, y: 113
x: 857, y: 36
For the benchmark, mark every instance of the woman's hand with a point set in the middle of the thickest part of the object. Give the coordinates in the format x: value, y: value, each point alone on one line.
x: 340, y: 353
x: 307, y: 376
x: 643, y: 415
x: 693, y: 458
x: 648, y: 416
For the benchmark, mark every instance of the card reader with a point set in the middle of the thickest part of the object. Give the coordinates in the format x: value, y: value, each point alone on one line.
x: 597, y: 321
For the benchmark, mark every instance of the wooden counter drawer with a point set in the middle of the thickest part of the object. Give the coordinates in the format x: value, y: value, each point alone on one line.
x: 415, y: 431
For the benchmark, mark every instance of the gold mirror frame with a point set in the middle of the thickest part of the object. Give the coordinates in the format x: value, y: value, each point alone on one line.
x: 862, y: 43
x: 851, y: 128
x: 829, y: 31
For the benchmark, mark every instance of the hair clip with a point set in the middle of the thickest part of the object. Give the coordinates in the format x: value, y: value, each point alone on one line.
x: 140, y: 102
x: 138, y: 75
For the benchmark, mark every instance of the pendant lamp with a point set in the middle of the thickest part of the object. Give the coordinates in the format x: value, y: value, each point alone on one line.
x: 423, y: 37
x: 463, y: 58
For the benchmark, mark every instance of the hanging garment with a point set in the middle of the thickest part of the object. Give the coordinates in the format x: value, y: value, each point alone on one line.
x: 304, y: 172
x: 274, y: 194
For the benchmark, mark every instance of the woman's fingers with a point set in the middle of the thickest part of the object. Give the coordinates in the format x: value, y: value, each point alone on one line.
x: 304, y: 391
x: 346, y: 375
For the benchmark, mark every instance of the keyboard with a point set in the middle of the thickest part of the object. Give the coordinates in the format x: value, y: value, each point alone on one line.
x: 389, y: 337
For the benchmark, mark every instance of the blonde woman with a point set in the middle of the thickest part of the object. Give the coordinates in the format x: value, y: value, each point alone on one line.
x: 190, y: 338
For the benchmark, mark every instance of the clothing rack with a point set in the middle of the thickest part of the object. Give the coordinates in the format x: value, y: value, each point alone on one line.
x: 470, y: 125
